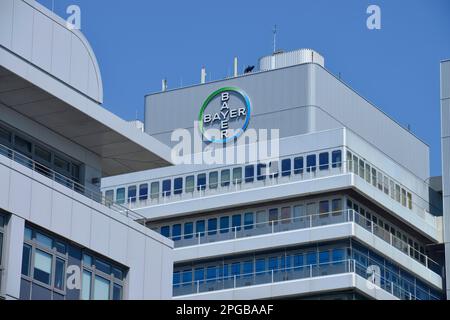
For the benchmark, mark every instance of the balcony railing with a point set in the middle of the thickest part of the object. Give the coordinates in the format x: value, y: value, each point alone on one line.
x: 68, y: 183
x: 305, y: 222
x: 302, y: 272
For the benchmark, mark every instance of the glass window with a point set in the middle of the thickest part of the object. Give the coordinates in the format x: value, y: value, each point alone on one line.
x: 298, y: 165
x: 86, y: 285
x: 178, y: 186
x: 188, y: 230
x: 374, y: 177
x: 247, y: 268
x: 143, y: 191
x: 176, y: 232
x: 336, y: 158
x: 165, y: 231
x: 28, y: 233
x: 248, y: 220
x: 409, y: 198
x: 22, y: 144
x: 273, y: 215
x: 61, y: 164
x: 102, y: 266
x: 261, y: 171
x: 154, y: 190
x: 403, y: 197
x: 109, y: 196
x: 5, y: 135
x: 211, y: 273
x: 324, y: 206
x: 361, y: 171
x: 397, y: 192
x: 286, y: 167
x: 311, y: 258
x: 187, y: 276
x: 298, y: 212
x: 213, y: 180
x: 101, y: 288
x: 355, y: 164
x: 324, y: 257
x: 338, y: 255
x: 212, y: 226
x: 237, y: 175
x: 224, y: 224
x: 249, y: 173
x: 260, y: 265
x: 380, y: 181
x: 42, y: 154
x: 225, y: 177
x: 286, y: 215
x: 120, y: 195
x: 176, y: 278
x: 199, y: 274
x: 311, y: 163
x: 367, y: 171
x: 42, y: 266
x: 59, y: 274
x: 200, y: 228
x: 236, y: 222
x: 190, y: 184
x: 324, y: 161
x: 201, y: 181
x: 118, y: 274
x: 273, y: 263
x: 261, y: 218
x: 236, y: 269
x: 44, y: 240
x: 336, y: 206
x: 26, y: 259
x: 87, y: 260
x: 166, y: 188
x: 132, y: 194
x: 274, y: 169
x: 117, y: 292
x: 60, y: 247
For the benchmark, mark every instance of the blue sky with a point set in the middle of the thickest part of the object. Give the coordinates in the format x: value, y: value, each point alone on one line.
x: 139, y: 42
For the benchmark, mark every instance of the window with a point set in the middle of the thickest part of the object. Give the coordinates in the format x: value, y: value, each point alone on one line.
x: 86, y: 285
x: 201, y: 181
x: 200, y: 228
x: 403, y: 197
x: 237, y: 175
x: 44, y: 241
x: 178, y: 186
x: 324, y: 208
x: 22, y: 145
x: 117, y: 292
x: 338, y: 255
x: 154, y: 190
x: 380, y: 181
x: 261, y: 171
x: 273, y: 263
x: 132, y: 194
x: 143, y: 191
x: 311, y: 258
x: 285, y: 167
x: 286, y: 215
x: 188, y: 230
x: 225, y: 177
x: 324, y: 257
x: 236, y: 222
x: 176, y: 232
x: 42, y: 154
x: 374, y: 177
x: 367, y: 173
x: 166, y: 188
x: 212, y: 226
x: 336, y: 206
x: 101, y: 288
x: 42, y: 266
x: 187, y: 277
x: 260, y: 265
x: 236, y: 269
x: 261, y: 218
x: 298, y: 261
x: 336, y: 159
x: 324, y: 161
x: 361, y: 170
x: 386, y: 185
x: 165, y: 231
x: 397, y: 193
x: 274, y: 169
x: 224, y: 224
x: 211, y: 273
x: 213, y: 180
x: 60, y: 273
x: 248, y: 220
x: 26, y: 259
x: 273, y: 216
x: 109, y: 196
x: 5, y: 135
x: 355, y: 164
x: 409, y: 198
x: 311, y: 163
x: 349, y: 161
x: 120, y: 195
x: 176, y: 278
x: 298, y: 213
x: 249, y: 174
x: 199, y: 274
x: 190, y: 184
x: 103, y: 266
x: 247, y: 268
x: 298, y: 165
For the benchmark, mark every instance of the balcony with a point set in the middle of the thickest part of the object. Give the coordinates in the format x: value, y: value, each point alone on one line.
x: 307, y: 222
x: 399, y: 287
x: 68, y: 183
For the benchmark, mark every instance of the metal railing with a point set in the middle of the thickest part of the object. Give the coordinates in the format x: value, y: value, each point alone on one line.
x: 304, y: 222
x: 297, y: 273
x: 96, y: 196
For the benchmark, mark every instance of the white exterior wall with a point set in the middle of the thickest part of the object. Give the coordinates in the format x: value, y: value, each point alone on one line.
x: 32, y: 197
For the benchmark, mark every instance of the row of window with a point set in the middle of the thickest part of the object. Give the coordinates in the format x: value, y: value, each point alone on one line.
x: 419, y: 249
x: 299, y: 258
x: 226, y: 177
x: 2, y: 236
x: 39, y: 153
x: 379, y: 180
x: 45, y: 261
x: 249, y: 219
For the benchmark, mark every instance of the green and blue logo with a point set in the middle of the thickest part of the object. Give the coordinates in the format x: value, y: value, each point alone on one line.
x: 228, y: 110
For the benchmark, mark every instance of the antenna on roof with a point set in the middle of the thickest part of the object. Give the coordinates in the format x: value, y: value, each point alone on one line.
x: 275, y: 38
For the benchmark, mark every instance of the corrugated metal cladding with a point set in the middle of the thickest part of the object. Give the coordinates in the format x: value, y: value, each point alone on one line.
x: 296, y: 100
x: 290, y: 58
